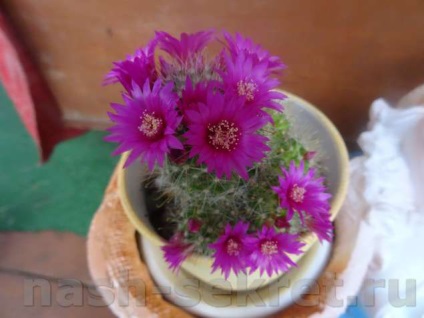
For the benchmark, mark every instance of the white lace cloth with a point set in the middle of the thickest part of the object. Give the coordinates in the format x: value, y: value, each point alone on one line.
x: 383, y: 217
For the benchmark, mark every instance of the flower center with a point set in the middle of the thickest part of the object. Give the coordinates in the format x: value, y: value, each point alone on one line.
x: 247, y: 89
x: 269, y: 247
x: 233, y: 247
x: 151, y: 125
x: 297, y: 194
x: 224, y: 135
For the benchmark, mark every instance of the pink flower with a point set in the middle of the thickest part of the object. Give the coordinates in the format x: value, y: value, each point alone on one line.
x: 309, y: 155
x: 321, y: 225
x: 136, y: 68
x: 301, y: 192
x: 246, y: 46
x: 187, y: 46
x: 251, y: 81
x: 146, y: 124
x: 232, y: 250
x: 192, y: 95
x: 270, y: 251
x: 281, y: 222
x: 176, y: 252
x: 223, y: 134
x: 194, y: 225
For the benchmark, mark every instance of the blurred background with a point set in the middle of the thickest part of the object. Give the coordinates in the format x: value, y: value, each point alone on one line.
x: 341, y: 55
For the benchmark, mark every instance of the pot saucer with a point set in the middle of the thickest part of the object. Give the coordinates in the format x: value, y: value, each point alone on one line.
x: 207, y: 300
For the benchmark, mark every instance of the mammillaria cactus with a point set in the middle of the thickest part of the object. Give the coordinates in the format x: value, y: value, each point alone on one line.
x: 233, y: 182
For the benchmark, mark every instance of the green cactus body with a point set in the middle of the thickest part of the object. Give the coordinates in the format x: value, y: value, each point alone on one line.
x: 187, y: 191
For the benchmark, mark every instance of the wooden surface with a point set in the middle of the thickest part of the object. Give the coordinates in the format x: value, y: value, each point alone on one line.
x: 341, y: 54
x: 49, y: 260
x: 114, y: 261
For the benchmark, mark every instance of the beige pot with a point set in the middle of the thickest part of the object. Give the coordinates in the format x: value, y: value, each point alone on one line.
x: 309, y: 124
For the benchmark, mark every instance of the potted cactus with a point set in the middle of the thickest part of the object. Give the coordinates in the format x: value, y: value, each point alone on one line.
x: 228, y: 174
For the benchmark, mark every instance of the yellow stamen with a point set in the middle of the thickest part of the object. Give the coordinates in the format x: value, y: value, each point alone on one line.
x: 233, y: 247
x: 247, y: 89
x: 224, y: 135
x: 269, y: 248
x: 150, y: 124
x: 297, y: 194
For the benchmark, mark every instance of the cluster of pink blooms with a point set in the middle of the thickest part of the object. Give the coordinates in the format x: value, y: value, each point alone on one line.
x: 215, y: 116
x: 237, y: 249
x: 178, y: 105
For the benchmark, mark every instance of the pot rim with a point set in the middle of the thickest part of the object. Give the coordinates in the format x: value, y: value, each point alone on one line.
x: 309, y: 239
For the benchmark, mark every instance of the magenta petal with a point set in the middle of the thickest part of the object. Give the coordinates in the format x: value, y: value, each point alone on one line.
x: 137, y: 68
x: 176, y: 252
x: 232, y: 250
x: 174, y: 143
x: 303, y: 193
x: 187, y: 46
x: 250, y: 79
x: 270, y: 251
x: 146, y: 125
x: 224, y: 134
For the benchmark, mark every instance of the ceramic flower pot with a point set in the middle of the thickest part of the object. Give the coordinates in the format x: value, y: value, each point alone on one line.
x: 313, y: 128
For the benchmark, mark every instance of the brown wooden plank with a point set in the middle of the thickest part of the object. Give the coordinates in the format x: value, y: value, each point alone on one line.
x: 341, y: 54
x: 47, y: 253
x: 47, y: 299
